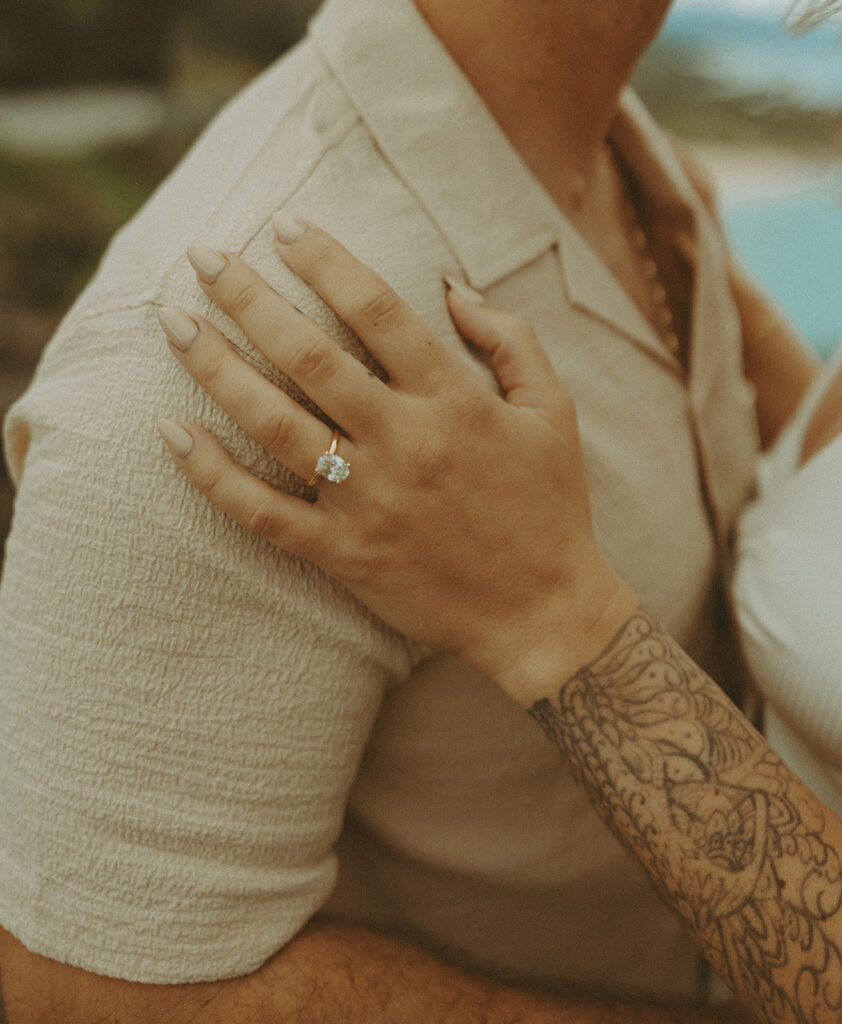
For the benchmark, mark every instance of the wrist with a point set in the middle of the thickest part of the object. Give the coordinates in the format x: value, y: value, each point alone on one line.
x: 537, y: 652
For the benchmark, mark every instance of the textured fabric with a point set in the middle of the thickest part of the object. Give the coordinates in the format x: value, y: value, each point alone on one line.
x: 186, y: 713
x: 788, y: 595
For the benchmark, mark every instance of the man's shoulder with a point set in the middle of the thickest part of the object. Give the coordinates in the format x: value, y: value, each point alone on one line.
x: 291, y: 139
x: 249, y: 160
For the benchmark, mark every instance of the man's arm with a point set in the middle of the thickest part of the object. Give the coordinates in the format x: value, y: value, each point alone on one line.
x: 826, y: 422
x: 732, y: 840
x: 775, y: 357
x: 331, y: 972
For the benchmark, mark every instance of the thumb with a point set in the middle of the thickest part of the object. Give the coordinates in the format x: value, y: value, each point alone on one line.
x: 519, y: 362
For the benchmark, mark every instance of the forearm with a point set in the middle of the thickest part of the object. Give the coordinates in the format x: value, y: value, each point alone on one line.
x: 361, y: 976
x: 775, y: 358
x: 330, y: 972
x: 731, y: 839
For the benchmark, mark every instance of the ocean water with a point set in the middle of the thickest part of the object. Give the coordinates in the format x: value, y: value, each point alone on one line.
x: 794, y: 246
x: 748, y: 53
x: 792, y: 241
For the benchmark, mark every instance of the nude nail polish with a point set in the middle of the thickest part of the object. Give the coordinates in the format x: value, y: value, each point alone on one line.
x: 179, y: 328
x: 208, y: 263
x: 467, y: 293
x: 179, y: 442
x: 288, y: 227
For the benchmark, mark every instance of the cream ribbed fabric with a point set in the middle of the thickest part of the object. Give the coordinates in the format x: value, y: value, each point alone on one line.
x: 788, y: 594
x: 183, y: 710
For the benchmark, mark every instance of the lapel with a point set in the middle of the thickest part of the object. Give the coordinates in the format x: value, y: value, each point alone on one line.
x: 443, y: 143
x: 591, y: 287
x: 720, y: 402
x: 438, y: 135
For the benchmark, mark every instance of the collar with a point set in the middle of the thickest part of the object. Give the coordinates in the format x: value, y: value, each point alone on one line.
x: 438, y: 134
x: 591, y: 287
x: 440, y: 137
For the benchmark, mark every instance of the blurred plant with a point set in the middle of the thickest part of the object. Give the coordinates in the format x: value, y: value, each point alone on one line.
x: 49, y: 43
x: 804, y: 15
x: 44, y: 43
x: 255, y: 28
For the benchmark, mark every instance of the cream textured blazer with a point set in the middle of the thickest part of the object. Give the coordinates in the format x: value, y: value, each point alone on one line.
x: 203, y: 741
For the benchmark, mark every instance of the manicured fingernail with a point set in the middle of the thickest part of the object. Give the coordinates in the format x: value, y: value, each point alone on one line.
x: 288, y: 227
x: 181, y: 329
x: 464, y: 290
x: 208, y: 263
x: 180, y: 443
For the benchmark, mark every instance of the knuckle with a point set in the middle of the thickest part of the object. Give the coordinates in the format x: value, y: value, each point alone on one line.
x: 262, y: 521
x: 472, y: 407
x: 465, y: 407
x: 383, y: 310
x: 314, y: 363
x: 212, y: 368
x: 561, y: 413
x: 274, y: 432
x: 208, y: 479
x: 242, y: 298
x: 429, y: 462
x: 311, y: 253
x: 349, y: 556
x: 360, y: 556
x: 527, y: 336
x: 511, y: 328
x: 362, y: 572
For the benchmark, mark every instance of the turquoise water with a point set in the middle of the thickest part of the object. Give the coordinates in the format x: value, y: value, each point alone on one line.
x: 794, y: 246
x: 754, y: 53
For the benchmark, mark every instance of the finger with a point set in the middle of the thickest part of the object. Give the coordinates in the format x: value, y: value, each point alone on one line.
x: 521, y: 365
x: 277, y: 422
x: 398, y: 338
x: 337, y: 382
x: 287, y: 522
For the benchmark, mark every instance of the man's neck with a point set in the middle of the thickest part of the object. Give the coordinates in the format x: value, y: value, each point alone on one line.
x: 551, y: 72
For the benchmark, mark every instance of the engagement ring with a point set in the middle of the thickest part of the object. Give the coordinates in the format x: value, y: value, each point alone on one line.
x: 330, y: 466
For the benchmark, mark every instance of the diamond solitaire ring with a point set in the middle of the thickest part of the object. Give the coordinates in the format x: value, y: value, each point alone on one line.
x: 330, y: 465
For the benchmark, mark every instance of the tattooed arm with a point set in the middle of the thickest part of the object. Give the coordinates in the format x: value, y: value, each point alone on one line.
x: 731, y: 839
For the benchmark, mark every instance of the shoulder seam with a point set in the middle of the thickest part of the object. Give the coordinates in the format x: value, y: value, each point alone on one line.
x: 345, y: 123
x: 308, y: 174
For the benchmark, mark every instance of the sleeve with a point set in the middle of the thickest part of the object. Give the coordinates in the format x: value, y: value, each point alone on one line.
x: 182, y: 707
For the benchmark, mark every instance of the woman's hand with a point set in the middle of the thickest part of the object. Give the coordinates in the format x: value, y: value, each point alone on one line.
x: 464, y: 519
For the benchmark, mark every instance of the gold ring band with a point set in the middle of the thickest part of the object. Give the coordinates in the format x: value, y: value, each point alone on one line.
x: 330, y: 466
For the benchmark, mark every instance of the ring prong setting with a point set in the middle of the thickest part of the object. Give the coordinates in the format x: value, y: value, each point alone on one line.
x: 332, y: 467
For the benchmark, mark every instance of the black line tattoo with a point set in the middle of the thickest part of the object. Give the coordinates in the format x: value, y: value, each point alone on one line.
x: 733, y: 841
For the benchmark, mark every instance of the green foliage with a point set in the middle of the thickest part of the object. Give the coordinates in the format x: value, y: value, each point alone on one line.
x: 67, y: 42
x: 56, y: 217
x: 684, y: 98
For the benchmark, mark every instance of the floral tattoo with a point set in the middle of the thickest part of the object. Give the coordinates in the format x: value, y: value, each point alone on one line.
x: 732, y: 840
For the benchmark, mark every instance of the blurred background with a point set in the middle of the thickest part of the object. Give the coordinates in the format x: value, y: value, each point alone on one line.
x: 100, y: 98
